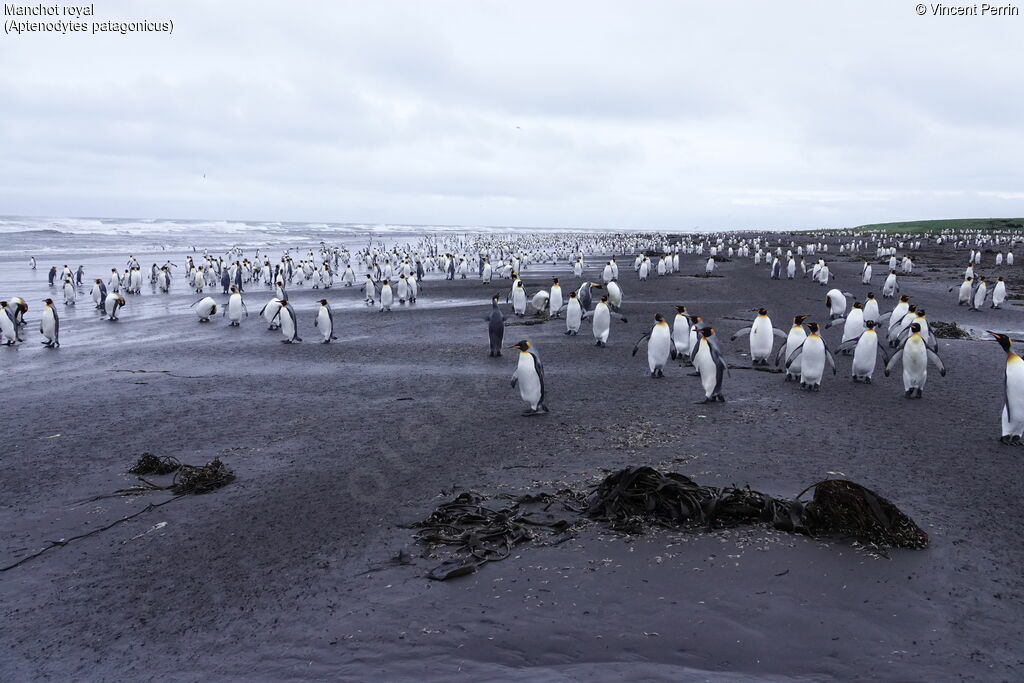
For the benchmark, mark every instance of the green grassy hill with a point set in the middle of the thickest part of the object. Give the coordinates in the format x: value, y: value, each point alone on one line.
x: 946, y: 224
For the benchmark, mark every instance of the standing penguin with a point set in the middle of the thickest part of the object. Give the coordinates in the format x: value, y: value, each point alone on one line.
x: 289, y: 323
x: 70, y: 295
x: 519, y: 298
x: 49, y: 325
x: 680, y: 333
x: 205, y: 307
x: 1013, y: 394
x: 980, y: 294
x: 324, y: 322
x: 659, y: 343
x: 853, y: 324
x: 813, y: 354
x: 573, y: 314
x: 495, y: 327
x: 602, y: 315
x: 999, y: 292
x: 614, y: 295
x: 554, y: 299
x: 529, y: 375
x: 99, y: 293
x: 762, y: 337
x: 387, y: 296
x: 865, y: 353
x: 710, y: 364
x: 235, y: 308
x: 915, y: 355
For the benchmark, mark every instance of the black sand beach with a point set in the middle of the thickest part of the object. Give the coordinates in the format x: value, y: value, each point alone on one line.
x: 286, y: 572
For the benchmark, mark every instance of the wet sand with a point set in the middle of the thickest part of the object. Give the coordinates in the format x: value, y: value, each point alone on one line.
x: 285, y: 573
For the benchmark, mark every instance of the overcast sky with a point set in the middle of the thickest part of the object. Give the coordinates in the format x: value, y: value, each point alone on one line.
x: 576, y: 114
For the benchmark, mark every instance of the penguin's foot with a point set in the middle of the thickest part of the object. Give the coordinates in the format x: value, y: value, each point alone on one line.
x: 720, y: 398
x: 707, y: 400
x: 920, y: 392
x: 867, y: 380
x: 803, y: 385
x: 909, y: 393
x: 815, y: 387
x: 660, y: 373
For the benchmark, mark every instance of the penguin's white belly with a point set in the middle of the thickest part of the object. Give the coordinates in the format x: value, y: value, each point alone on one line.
x: 602, y: 323
x: 387, y: 297
x: 812, y: 362
x: 519, y: 300
x: 705, y: 365
x: 853, y: 327
x: 658, y: 347
x: 915, y: 365
x: 681, y: 334
x: 555, y: 302
x: 1014, y: 398
x: 761, y: 338
x: 529, y: 381
x: 47, y: 326
x: 287, y: 325
x: 573, y: 316
x: 864, y: 355
x: 323, y: 323
x: 235, y: 308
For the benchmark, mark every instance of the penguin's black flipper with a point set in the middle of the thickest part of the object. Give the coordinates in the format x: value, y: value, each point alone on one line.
x: 934, y: 358
x: 885, y: 352
x: 830, y: 358
x: 793, y: 356
x: 636, y: 347
x: 745, y: 330
x: 892, y: 361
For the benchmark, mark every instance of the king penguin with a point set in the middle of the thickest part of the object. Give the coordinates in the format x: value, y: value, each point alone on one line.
x: 49, y: 325
x: 813, y: 354
x: 324, y: 322
x: 762, y: 337
x: 710, y: 364
x: 659, y: 343
x: 495, y: 327
x: 529, y: 375
x: 289, y: 323
x: 915, y: 354
x: 1013, y: 394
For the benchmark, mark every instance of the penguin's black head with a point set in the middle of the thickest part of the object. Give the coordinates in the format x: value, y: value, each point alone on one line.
x: 762, y: 311
x: 871, y: 295
x: 323, y: 302
x: 706, y: 331
x: 920, y: 313
x: 1000, y: 278
x: 519, y: 283
x: 234, y: 290
x: 572, y: 295
x: 1003, y: 340
x: 813, y: 327
x: 3, y: 304
x: 911, y: 308
x: 604, y: 298
x: 870, y: 324
x: 524, y: 345
x: 905, y: 298
x: 680, y: 309
x: 799, y: 319
x: 857, y: 304
x: 554, y: 280
x: 658, y: 318
x: 915, y: 328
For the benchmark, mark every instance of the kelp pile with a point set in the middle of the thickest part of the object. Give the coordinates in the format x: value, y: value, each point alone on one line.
x: 637, y: 498
x: 151, y: 464
x: 188, y: 479
x: 482, y: 533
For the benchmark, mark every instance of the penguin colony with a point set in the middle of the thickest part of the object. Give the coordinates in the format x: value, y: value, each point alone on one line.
x: 897, y: 337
